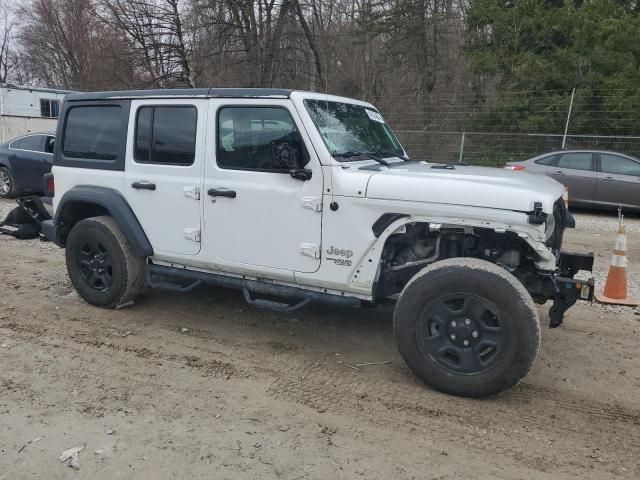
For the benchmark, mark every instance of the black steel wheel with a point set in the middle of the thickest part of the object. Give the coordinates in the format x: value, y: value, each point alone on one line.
x: 462, y: 333
x: 95, y: 264
x: 467, y: 327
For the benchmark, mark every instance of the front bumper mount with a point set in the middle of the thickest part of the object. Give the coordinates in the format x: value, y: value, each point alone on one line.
x: 566, y: 289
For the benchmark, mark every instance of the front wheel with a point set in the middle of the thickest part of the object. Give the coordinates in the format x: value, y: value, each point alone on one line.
x: 101, y: 263
x: 467, y: 327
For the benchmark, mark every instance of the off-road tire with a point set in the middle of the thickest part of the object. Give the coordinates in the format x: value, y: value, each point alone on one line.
x: 12, y: 190
x: 127, y: 271
x: 503, y: 306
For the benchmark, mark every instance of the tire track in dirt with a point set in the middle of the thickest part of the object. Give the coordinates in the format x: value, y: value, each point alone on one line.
x: 209, y: 367
x: 323, y: 388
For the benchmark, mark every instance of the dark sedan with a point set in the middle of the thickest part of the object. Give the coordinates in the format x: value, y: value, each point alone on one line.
x: 595, y: 178
x: 23, y: 163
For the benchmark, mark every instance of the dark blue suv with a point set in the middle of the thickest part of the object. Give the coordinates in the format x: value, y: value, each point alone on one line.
x: 23, y: 163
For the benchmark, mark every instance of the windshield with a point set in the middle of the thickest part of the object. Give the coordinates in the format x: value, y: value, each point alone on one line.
x: 350, y: 130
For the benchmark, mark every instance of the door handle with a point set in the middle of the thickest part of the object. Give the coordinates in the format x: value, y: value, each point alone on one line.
x: 559, y: 172
x: 143, y: 185
x: 609, y: 179
x: 215, y: 192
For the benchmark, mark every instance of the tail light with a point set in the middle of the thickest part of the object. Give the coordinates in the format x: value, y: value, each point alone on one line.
x: 515, y: 168
x: 49, y: 185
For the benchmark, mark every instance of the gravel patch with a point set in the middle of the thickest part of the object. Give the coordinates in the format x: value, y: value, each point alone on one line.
x: 604, y: 222
x: 607, y: 223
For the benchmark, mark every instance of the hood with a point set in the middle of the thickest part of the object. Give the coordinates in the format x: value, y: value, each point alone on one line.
x: 464, y: 185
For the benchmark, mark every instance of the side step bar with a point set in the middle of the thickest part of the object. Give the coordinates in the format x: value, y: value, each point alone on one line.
x: 160, y: 276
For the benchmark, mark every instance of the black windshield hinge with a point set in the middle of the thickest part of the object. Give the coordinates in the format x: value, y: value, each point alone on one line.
x: 537, y: 217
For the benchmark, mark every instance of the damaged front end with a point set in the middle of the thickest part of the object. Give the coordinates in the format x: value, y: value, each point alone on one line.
x: 560, y: 286
x: 533, y: 255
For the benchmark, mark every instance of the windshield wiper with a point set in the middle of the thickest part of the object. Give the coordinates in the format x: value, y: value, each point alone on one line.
x: 361, y: 154
x: 393, y: 154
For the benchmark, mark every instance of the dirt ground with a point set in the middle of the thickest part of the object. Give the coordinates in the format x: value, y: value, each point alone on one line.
x: 202, y: 386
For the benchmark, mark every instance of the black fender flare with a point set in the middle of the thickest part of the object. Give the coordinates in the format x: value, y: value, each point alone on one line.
x: 111, y: 201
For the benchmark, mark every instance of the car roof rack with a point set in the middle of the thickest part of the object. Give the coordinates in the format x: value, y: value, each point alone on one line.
x: 183, y: 93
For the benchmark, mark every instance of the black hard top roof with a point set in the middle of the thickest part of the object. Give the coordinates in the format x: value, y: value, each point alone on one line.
x: 183, y: 93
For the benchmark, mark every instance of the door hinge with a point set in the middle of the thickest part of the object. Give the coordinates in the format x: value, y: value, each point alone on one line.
x: 192, y: 192
x: 312, y: 203
x: 192, y: 234
x: 310, y: 250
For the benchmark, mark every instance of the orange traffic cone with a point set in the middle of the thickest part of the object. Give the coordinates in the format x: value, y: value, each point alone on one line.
x: 615, y: 289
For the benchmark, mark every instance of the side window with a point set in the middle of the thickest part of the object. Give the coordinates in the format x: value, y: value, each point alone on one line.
x: 49, y: 108
x: 246, y: 134
x: 166, y: 135
x: 618, y: 165
x: 32, y: 142
x: 576, y: 161
x: 17, y: 143
x: 92, y: 132
x: 548, y: 160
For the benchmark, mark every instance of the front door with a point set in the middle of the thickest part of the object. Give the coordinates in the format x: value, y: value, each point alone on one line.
x: 255, y: 213
x: 618, y: 181
x: 163, y: 173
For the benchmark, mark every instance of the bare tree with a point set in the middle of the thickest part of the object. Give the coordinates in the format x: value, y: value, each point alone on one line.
x: 63, y: 45
x: 7, y: 54
x: 157, y: 38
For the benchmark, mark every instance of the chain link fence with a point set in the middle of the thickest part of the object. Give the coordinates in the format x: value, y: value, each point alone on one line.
x: 496, y: 149
x: 16, y: 126
x: 493, y: 129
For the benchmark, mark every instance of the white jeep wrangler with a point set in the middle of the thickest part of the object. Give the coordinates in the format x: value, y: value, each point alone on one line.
x: 309, y: 197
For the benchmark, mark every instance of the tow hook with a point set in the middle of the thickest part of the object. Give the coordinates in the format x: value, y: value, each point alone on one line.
x: 537, y: 216
x: 566, y: 292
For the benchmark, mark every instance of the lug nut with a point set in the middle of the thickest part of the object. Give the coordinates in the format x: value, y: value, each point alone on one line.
x: 467, y: 322
x: 466, y: 343
x: 452, y: 336
x: 474, y: 334
x: 454, y: 324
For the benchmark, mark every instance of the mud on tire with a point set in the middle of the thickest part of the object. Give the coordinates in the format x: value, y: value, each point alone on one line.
x: 467, y: 327
x: 101, y: 263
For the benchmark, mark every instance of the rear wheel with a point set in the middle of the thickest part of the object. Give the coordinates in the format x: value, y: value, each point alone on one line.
x: 101, y: 263
x: 467, y: 327
x: 7, y: 185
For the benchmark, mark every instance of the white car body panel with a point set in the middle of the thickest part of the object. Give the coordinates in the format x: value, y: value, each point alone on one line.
x: 171, y: 214
x: 465, y: 185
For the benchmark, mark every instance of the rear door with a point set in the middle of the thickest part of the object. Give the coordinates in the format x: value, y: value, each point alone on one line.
x: 618, y: 181
x: 577, y: 171
x: 163, y: 171
x: 30, y: 162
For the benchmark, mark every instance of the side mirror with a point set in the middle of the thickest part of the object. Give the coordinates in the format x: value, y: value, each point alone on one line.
x: 286, y: 155
x: 301, y: 173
